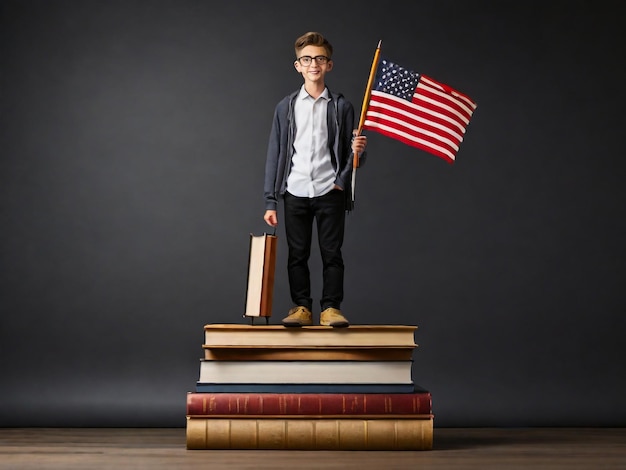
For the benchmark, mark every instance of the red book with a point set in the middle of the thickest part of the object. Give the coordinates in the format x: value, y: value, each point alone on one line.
x: 245, y: 405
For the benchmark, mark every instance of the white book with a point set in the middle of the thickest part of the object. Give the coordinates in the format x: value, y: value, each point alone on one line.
x: 301, y: 372
x: 261, y: 268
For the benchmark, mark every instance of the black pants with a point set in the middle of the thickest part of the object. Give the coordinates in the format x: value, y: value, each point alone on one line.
x: 329, y: 213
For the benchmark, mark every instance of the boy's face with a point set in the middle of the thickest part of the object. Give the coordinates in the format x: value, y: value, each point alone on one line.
x: 317, y: 69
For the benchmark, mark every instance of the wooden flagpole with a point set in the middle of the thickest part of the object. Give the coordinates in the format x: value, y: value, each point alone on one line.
x: 366, y: 102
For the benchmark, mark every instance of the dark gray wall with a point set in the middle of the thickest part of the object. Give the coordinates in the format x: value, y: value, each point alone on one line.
x: 133, y: 138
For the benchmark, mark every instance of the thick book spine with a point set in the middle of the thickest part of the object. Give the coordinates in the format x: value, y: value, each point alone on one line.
x: 310, y: 434
x: 205, y: 387
x: 269, y: 268
x: 310, y: 404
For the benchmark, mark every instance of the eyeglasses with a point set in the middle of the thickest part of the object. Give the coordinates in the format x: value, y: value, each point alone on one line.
x: 307, y: 59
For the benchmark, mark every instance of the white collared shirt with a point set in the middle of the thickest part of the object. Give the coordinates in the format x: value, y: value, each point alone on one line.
x: 312, y: 173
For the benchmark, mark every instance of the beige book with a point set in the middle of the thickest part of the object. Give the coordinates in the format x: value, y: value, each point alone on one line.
x: 310, y: 434
x: 307, y: 353
x: 277, y: 336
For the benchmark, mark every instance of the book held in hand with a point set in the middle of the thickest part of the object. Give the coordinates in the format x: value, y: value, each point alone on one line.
x: 261, y: 268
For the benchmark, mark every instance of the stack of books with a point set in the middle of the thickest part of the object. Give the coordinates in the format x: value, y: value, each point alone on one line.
x: 310, y: 388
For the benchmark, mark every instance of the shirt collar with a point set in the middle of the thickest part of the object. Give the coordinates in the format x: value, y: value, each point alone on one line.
x: 304, y: 95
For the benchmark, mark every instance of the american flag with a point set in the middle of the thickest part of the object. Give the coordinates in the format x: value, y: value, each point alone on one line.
x: 417, y: 110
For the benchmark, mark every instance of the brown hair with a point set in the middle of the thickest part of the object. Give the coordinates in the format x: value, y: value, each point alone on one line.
x: 313, y: 39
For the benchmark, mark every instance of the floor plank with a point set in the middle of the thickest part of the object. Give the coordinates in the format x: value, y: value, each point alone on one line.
x: 161, y: 449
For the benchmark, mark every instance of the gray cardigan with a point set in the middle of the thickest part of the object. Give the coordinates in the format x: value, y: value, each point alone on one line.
x: 340, y: 121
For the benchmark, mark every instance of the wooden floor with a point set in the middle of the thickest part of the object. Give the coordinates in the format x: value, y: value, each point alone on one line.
x: 161, y: 449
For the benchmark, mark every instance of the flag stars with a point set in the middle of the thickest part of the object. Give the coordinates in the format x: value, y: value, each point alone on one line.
x: 396, y: 80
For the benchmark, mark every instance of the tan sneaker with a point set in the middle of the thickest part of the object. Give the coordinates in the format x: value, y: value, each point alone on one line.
x: 298, y: 316
x: 333, y: 317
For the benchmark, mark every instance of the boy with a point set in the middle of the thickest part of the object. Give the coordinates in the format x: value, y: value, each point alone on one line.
x: 309, y: 166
